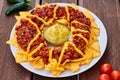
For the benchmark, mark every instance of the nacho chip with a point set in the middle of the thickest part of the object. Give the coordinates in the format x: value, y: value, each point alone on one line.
x: 95, y: 28
x: 13, y: 41
x: 58, y: 71
x: 74, y: 6
x: 94, y: 52
x: 89, y: 15
x: 38, y: 6
x: 88, y: 53
x: 95, y: 45
x: 52, y: 65
x: 73, y: 66
x: 20, y: 56
x: 96, y: 31
x: 37, y: 62
x: 62, y: 21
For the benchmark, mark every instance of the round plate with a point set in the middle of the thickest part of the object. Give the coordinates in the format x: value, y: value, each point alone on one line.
x: 102, y: 41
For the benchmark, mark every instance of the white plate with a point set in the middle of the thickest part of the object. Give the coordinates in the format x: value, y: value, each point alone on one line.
x: 102, y: 40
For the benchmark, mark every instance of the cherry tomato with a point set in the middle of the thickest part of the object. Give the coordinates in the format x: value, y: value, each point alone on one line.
x: 104, y: 77
x: 115, y: 75
x: 106, y: 68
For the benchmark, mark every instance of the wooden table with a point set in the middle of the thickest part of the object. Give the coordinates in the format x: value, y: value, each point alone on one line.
x: 107, y: 10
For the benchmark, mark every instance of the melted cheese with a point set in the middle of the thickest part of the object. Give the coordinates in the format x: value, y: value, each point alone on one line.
x: 24, y: 17
x: 24, y: 14
x: 62, y: 53
x: 35, y: 50
x: 34, y: 24
x: 79, y: 23
x: 65, y: 48
x: 37, y: 35
x: 81, y: 36
x: 68, y: 14
x: 46, y: 23
x: 79, y: 51
x: 50, y: 54
x: 28, y: 48
x: 74, y: 30
x: 55, y: 9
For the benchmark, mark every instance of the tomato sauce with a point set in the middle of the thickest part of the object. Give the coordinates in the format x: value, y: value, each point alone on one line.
x: 25, y: 33
x: 79, y: 16
x: 79, y: 42
x: 70, y: 54
x: 43, y: 53
x: 46, y: 11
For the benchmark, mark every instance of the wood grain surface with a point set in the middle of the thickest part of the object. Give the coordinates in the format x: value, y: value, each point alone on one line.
x: 107, y: 10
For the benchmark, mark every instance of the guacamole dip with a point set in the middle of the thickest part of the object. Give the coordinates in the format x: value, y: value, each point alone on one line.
x: 56, y: 34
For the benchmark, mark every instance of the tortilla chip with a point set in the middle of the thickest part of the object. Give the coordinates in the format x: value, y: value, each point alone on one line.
x: 96, y: 46
x: 62, y: 21
x: 86, y: 61
x: 93, y: 24
x: 93, y: 37
x: 58, y: 71
x: 54, y: 68
x: 47, y: 4
x: 74, y: 6
x: 88, y: 14
x: 37, y: 62
x: 88, y: 53
x: 52, y: 65
x: 73, y: 66
x: 94, y: 28
x: 13, y: 41
x: 95, y: 53
x: 38, y: 6
x: 20, y: 56
x: 24, y: 14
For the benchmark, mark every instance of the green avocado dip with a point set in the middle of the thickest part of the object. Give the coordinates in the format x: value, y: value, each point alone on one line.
x: 56, y: 34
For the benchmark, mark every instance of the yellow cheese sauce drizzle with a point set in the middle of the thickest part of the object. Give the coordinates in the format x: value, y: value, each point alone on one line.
x: 36, y: 36
x: 24, y: 14
x: 46, y: 23
x: 65, y: 48
x: 81, y: 36
x: 74, y: 30
x: 79, y: 23
x: 55, y: 9
x: 50, y: 54
x: 28, y: 48
x: 35, y: 50
x: 68, y: 14
x: 79, y: 51
x: 62, y: 53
